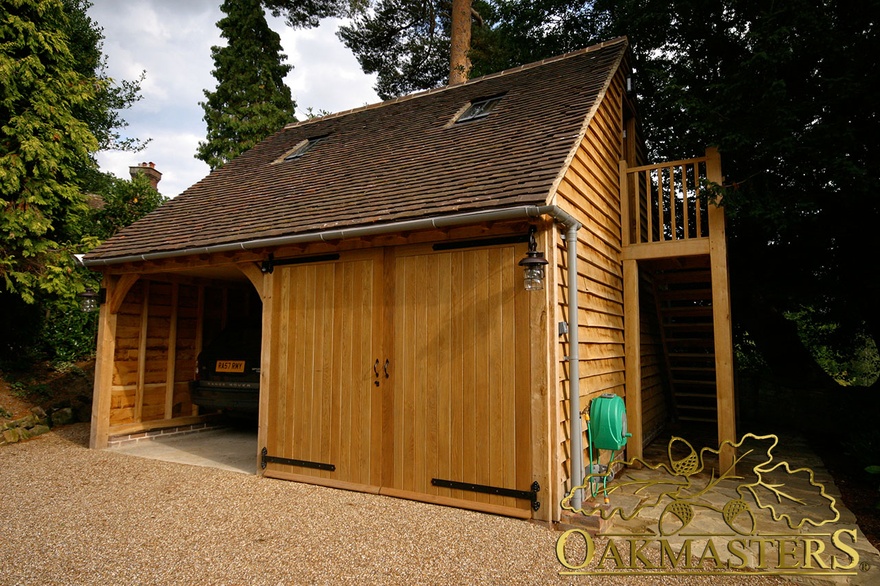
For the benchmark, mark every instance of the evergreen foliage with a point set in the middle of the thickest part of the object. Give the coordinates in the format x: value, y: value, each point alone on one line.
x: 797, y: 125
x: 57, y: 109
x: 405, y: 42
x: 122, y: 203
x: 42, y: 146
x: 102, y: 114
x: 251, y: 100
x: 309, y: 13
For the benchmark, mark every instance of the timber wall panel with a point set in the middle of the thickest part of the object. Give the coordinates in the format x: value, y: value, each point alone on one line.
x: 655, y: 397
x: 158, y: 334
x: 590, y: 192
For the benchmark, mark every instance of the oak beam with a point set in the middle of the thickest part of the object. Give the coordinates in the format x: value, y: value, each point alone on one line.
x: 632, y: 358
x: 254, y: 275
x: 116, y: 295
x: 666, y: 249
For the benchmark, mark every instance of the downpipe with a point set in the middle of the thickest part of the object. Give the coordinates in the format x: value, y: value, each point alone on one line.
x: 572, y: 226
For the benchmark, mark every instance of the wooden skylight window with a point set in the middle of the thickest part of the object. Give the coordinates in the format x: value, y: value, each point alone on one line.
x: 479, y: 109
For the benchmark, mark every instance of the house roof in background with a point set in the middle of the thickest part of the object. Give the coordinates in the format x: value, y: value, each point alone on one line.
x: 390, y: 162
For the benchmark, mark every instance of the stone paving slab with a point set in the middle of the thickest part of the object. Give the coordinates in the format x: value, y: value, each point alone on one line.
x: 771, y: 500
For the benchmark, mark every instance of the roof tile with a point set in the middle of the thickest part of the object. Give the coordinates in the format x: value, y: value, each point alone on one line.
x: 398, y: 160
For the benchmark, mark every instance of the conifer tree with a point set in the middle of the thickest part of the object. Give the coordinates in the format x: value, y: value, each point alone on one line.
x: 251, y: 100
x: 43, y: 145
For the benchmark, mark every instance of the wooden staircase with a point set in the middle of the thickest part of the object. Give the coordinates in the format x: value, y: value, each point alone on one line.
x: 683, y: 294
x: 675, y: 246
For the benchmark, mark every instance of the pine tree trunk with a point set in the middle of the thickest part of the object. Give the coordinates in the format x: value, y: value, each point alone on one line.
x: 459, y: 64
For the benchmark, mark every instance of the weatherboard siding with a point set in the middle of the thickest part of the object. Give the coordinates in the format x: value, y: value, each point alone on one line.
x: 156, y: 345
x: 590, y: 192
x: 655, y: 400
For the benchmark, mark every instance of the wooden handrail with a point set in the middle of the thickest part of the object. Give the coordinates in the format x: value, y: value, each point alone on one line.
x: 665, y: 202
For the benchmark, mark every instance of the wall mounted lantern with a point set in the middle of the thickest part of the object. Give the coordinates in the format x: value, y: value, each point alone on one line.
x: 91, y: 300
x: 533, y: 265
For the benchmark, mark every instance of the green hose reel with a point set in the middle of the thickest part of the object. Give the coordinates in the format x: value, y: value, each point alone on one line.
x: 606, y: 429
x: 608, y: 423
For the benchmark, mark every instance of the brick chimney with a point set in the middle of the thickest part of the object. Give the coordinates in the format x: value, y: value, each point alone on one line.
x: 148, y: 169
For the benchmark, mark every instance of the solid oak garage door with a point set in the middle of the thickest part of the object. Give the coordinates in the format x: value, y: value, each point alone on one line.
x: 461, y: 375
x: 323, y: 403
x: 408, y: 376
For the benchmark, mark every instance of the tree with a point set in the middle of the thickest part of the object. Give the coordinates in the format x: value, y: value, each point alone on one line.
x: 405, y: 42
x: 57, y: 108
x: 460, y: 42
x: 123, y: 202
x: 417, y: 44
x: 42, y: 145
x: 411, y: 44
x: 309, y: 13
x: 251, y: 100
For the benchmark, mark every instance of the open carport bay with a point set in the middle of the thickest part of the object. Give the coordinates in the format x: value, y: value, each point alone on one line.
x: 229, y: 448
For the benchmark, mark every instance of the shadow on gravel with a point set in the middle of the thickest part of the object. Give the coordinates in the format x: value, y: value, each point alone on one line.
x: 75, y: 433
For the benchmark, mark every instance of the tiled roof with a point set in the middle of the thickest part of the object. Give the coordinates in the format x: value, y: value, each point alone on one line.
x: 398, y: 160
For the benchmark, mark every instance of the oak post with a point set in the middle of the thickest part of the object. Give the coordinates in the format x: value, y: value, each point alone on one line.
x: 632, y: 358
x: 266, y: 349
x: 726, y: 399
x: 106, y: 350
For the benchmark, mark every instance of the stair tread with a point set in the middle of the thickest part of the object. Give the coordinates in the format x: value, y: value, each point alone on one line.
x: 685, y: 381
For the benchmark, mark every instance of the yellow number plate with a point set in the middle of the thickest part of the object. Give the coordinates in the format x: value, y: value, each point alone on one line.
x: 230, y: 366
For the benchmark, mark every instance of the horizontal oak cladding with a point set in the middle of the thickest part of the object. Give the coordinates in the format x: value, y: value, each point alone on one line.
x: 590, y: 191
x: 153, y: 412
x: 125, y: 373
x: 157, y: 338
x: 121, y: 416
x: 122, y: 398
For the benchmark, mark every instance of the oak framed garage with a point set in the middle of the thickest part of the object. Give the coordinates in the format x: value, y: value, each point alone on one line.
x: 401, y: 353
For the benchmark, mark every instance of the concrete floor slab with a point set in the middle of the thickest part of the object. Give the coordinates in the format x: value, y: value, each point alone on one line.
x: 231, y: 448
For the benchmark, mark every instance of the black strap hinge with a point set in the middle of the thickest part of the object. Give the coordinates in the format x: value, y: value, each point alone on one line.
x: 266, y: 459
x: 529, y: 495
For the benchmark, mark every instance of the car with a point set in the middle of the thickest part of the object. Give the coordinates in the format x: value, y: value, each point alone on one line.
x: 228, y: 376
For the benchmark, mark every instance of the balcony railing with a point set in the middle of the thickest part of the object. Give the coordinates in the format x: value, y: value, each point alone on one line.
x: 667, y: 203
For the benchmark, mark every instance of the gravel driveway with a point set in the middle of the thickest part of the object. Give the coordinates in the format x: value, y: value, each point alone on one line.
x: 70, y: 515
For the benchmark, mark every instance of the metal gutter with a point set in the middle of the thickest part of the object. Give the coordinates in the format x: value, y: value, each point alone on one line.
x: 517, y: 213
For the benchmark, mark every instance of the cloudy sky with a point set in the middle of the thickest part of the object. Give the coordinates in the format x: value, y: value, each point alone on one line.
x: 171, y: 41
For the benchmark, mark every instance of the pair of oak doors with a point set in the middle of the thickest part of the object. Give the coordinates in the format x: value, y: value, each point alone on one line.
x: 397, y: 370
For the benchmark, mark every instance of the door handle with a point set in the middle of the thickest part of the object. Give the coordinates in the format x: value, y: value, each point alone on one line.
x: 387, y: 363
x: 376, y: 368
